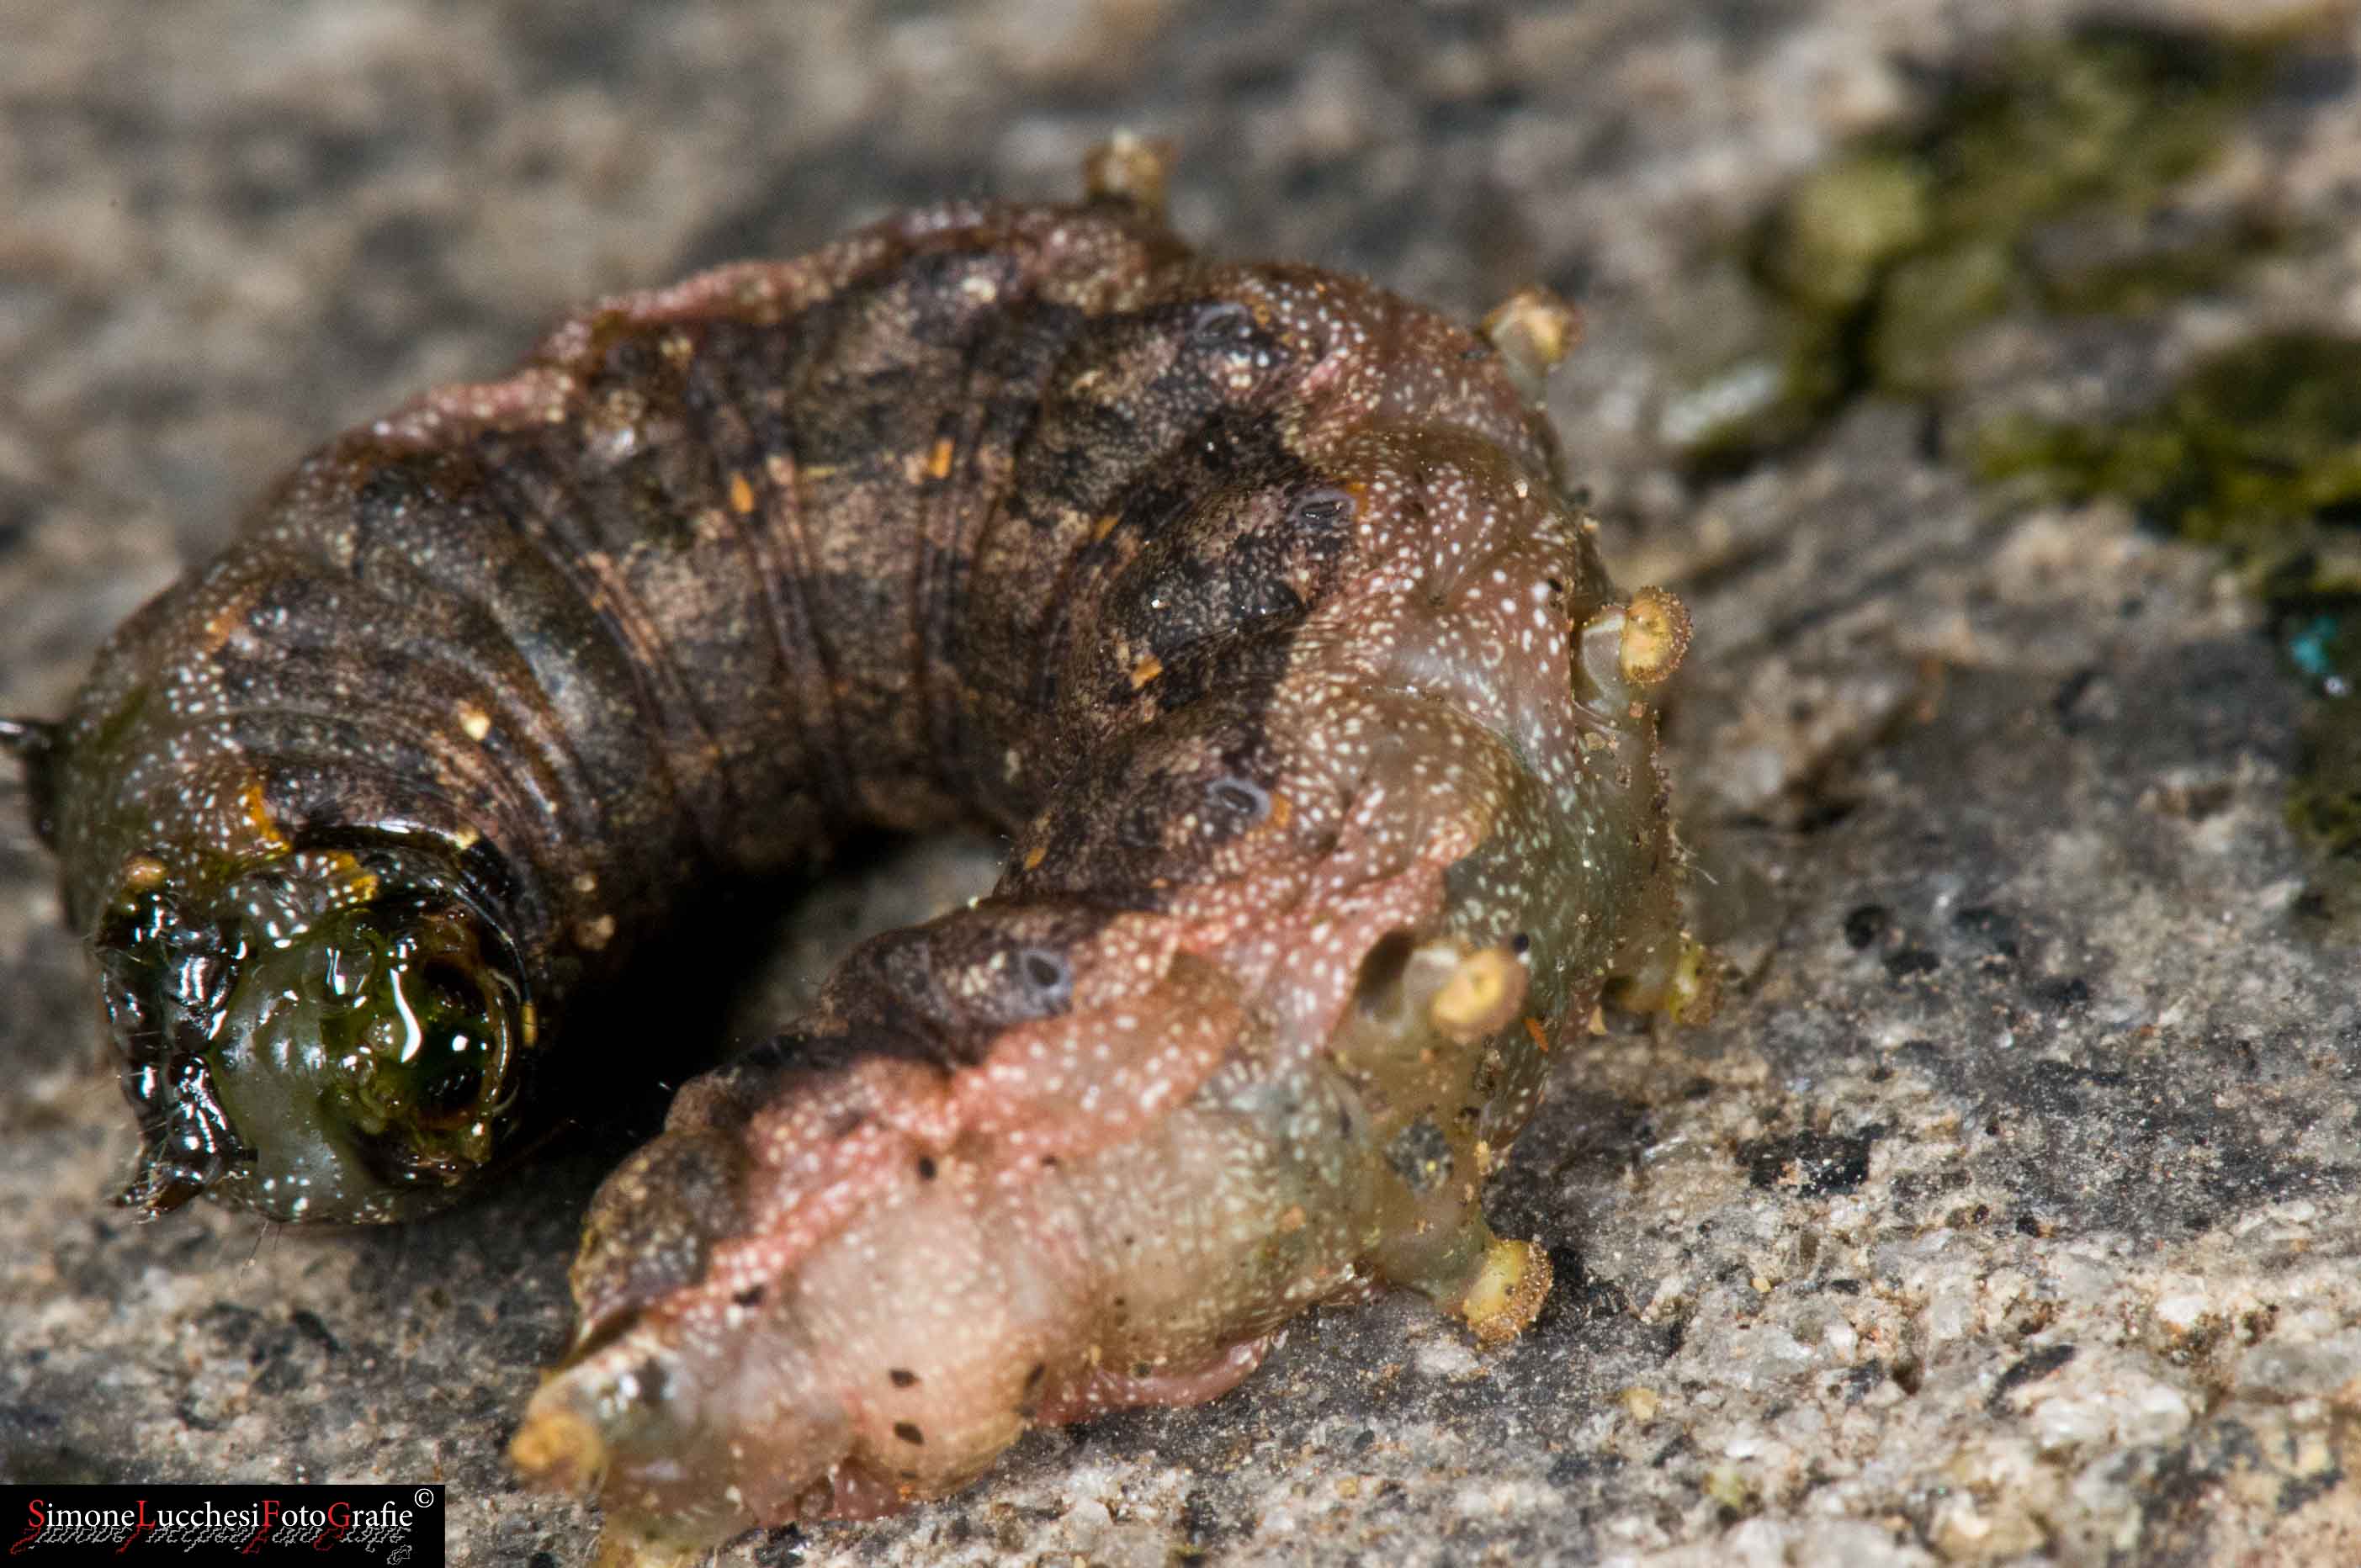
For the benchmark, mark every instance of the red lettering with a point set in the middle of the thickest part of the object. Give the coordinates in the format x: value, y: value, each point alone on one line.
x: 262, y: 1531
x: 37, y: 1516
x: 140, y: 1525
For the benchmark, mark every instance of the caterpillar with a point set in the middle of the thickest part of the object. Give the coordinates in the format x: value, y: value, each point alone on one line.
x: 1249, y: 601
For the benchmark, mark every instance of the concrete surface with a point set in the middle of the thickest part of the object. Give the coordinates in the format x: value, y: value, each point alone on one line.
x: 2011, y: 1211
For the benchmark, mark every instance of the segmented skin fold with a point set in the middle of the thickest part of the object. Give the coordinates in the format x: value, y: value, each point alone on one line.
x: 1247, y: 601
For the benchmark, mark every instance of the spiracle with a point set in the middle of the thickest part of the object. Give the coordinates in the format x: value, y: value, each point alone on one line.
x: 1248, y: 600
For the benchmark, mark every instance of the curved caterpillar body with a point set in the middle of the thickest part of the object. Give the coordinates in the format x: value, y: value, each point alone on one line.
x: 1246, y: 598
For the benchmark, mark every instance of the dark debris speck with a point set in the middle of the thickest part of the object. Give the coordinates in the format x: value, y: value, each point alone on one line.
x: 1817, y: 1164
x: 2036, y: 1365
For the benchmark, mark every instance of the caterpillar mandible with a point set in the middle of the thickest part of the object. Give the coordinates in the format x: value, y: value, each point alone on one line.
x: 1247, y: 599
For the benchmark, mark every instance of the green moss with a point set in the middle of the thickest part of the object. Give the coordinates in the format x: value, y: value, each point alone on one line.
x: 2256, y: 451
x: 2140, y: 266
x: 1927, y: 303
x: 1840, y: 229
x: 2111, y: 117
x: 2325, y: 804
x: 1874, y: 266
x: 2046, y: 181
x: 2324, y: 807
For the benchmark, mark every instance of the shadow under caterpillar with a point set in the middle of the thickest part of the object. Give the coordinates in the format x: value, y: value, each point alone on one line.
x: 1246, y: 599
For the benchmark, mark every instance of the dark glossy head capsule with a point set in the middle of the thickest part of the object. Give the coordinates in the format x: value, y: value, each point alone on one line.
x: 330, y: 1035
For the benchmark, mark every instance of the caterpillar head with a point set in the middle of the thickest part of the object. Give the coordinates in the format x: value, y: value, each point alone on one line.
x: 330, y: 1034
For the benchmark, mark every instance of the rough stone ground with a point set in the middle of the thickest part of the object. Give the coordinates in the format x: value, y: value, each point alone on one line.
x: 2010, y: 1213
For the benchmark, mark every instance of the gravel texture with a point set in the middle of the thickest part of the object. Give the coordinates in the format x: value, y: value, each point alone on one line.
x: 2009, y: 1214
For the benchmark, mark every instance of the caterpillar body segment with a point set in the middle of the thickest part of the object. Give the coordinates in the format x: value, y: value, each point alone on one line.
x: 1247, y: 601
